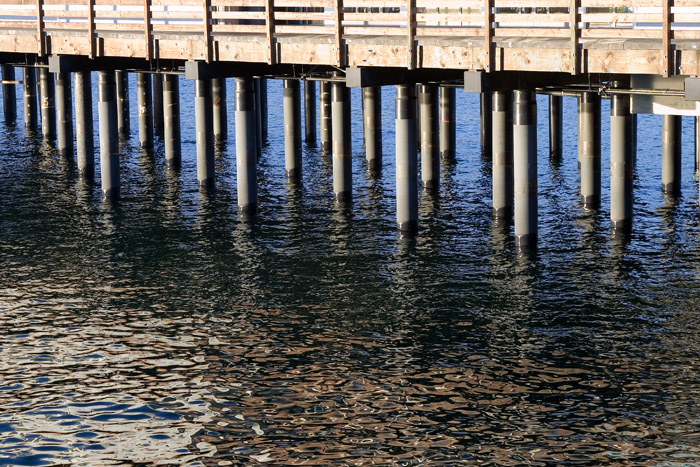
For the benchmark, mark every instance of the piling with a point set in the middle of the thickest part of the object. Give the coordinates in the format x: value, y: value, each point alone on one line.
x: 430, y: 146
x: 123, y: 119
x: 589, y: 142
x: 171, y: 120
x: 30, y: 105
x: 218, y: 98
x: 447, y: 122
x: 502, y: 156
x: 621, y: 162
x: 48, y: 103
x: 204, y: 141
x: 671, y: 154
x: 145, y: 102
x: 262, y: 100
x: 85, y: 144
x: 326, y: 127
x: 406, y: 160
x: 64, y: 114
x: 109, y: 140
x: 524, y: 169
x: 292, y: 128
x: 372, y: 127
x: 158, y: 105
x: 310, y: 112
x: 9, y: 94
x: 555, y: 127
x: 260, y: 112
x: 486, y: 126
x: 342, y: 144
x: 246, y: 156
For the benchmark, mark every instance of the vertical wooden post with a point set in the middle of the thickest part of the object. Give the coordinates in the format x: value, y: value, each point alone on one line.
x: 488, y: 35
x: 207, y: 31
x: 339, y: 33
x: 575, y: 35
x: 91, y: 26
x: 667, y: 61
x: 411, y: 34
x: 270, y: 31
x: 41, y: 46
x: 148, y: 28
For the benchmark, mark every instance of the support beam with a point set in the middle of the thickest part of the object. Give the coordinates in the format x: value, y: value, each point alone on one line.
x: 123, y: 119
x: 372, y: 126
x: 589, y: 143
x: 48, y: 103
x: 555, y: 127
x: 486, y: 126
x: 145, y: 103
x: 218, y: 97
x: 430, y: 160
x: 342, y: 145
x: 64, y: 114
x: 158, y: 105
x: 502, y: 159
x: 204, y: 138
x: 310, y: 112
x: 85, y: 143
x: 109, y: 139
x: 325, y: 116
x: 447, y: 122
x: 9, y: 95
x: 671, y: 154
x: 621, y: 163
x: 246, y: 156
x: 292, y: 128
x: 171, y: 121
x: 406, y: 160
x: 31, y: 121
x: 524, y: 169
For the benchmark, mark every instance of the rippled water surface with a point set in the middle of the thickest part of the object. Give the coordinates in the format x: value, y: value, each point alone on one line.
x: 166, y: 330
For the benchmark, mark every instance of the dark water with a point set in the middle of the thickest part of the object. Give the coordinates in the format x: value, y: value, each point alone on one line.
x: 166, y: 330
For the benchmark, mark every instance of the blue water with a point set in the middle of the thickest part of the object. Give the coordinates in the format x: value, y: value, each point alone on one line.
x: 166, y: 329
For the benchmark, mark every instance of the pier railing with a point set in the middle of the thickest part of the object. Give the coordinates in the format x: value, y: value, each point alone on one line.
x: 485, y: 22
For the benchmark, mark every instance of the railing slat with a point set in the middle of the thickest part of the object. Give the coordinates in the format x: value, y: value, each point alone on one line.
x: 207, y: 31
x: 411, y: 34
x: 575, y: 34
x: 270, y: 32
x: 339, y: 52
x: 40, y: 27
x: 488, y: 35
x: 91, y: 27
x: 666, y: 48
x: 148, y: 28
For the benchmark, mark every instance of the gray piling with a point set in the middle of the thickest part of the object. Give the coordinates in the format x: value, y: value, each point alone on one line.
x: 158, y: 105
x: 171, y: 120
x: 589, y: 142
x: 342, y: 144
x: 218, y: 98
x: 246, y: 156
x: 85, y: 143
x: 123, y: 120
x: 9, y: 94
x: 64, y: 114
x: 292, y: 128
x: 372, y: 126
x: 430, y: 145
x: 502, y: 159
x: 486, y: 126
x: 30, y: 104
x: 145, y: 103
x: 48, y: 103
x: 555, y: 127
x: 671, y: 154
x: 621, y: 162
x: 406, y: 159
x: 524, y: 169
x: 109, y: 139
x: 326, y: 126
x: 310, y: 112
x: 447, y: 122
x: 204, y: 140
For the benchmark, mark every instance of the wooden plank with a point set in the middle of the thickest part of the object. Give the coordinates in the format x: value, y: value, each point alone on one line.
x: 374, y: 4
x: 40, y: 28
x: 306, y: 30
x: 411, y: 45
x: 422, y: 31
x: 375, y: 17
x: 305, y: 4
x: 575, y: 35
x: 147, y: 28
x: 472, y: 6
x: 666, y: 37
x: 533, y: 3
x: 239, y: 15
x: 207, y: 30
x: 488, y: 35
x: 531, y: 18
x: 306, y: 16
x: 620, y: 3
x: 374, y: 31
x: 446, y: 18
x: 621, y: 18
x: 619, y: 33
x: 240, y: 29
x: 531, y: 32
x: 270, y: 31
x: 339, y: 52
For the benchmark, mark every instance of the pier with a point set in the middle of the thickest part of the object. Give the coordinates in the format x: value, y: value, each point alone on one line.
x: 644, y: 56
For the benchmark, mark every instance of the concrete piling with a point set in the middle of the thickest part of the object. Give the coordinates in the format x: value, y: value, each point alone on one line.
x: 406, y: 160
x: 555, y: 127
x: 109, y: 140
x: 621, y: 162
x: 204, y: 138
x: 486, y: 126
x: 430, y: 161
x: 31, y: 121
x: 158, y: 105
x: 85, y: 144
x: 326, y: 127
x: 589, y: 142
x: 64, y: 114
x: 48, y: 103
x: 502, y: 158
x: 447, y: 122
x: 123, y: 119
x: 145, y: 103
x: 218, y: 98
x: 246, y: 156
x: 9, y: 94
x: 372, y: 127
x: 671, y: 154
x: 171, y: 120
x: 342, y: 144
x: 524, y: 169
x: 292, y: 128
x: 310, y: 112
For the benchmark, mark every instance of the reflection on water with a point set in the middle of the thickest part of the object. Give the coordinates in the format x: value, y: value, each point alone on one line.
x: 165, y: 329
